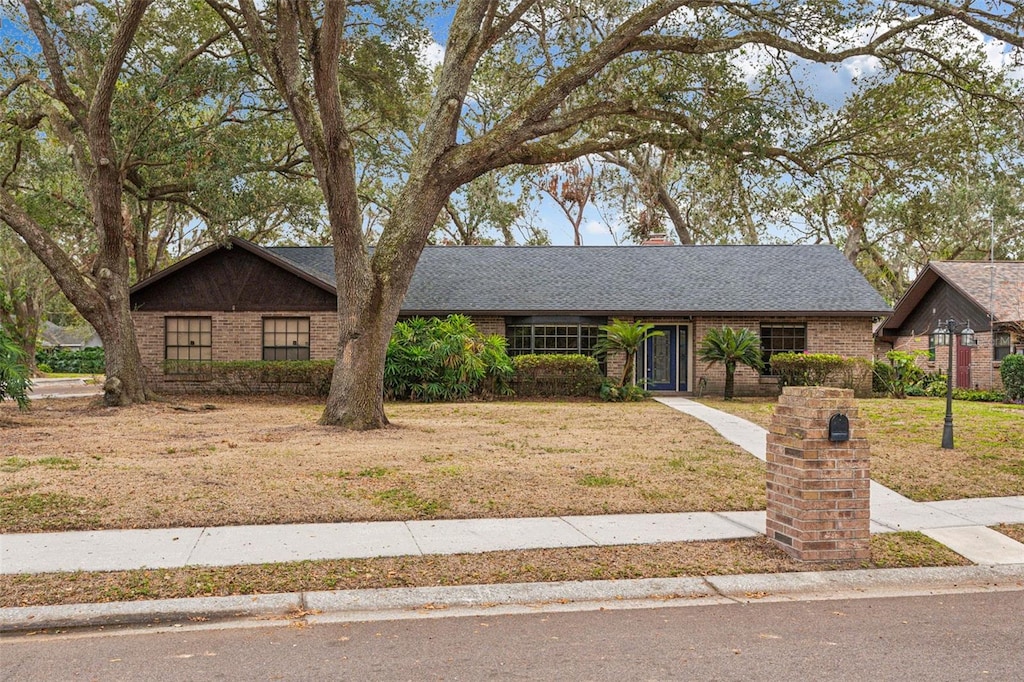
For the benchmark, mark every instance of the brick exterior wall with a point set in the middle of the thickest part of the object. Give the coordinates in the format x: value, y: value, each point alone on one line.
x: 238, y: 336
x: 846, y: 336
x: 818, y: 491
x: 235, y: 336
x: 984, y: 372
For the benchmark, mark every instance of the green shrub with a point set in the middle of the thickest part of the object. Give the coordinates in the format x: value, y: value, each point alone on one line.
x: 805, y: 369
x: 978, y: 396
x: 66, y: 360
x: 820, y: 369
x: 14, y: 381
x: 253, y: 377
x: 442, y: 360
x: 556, y: 375
x: 899, y: 374
x: 932, y: 385
x: 1011, y: 371
x: 613, y: 393
x: 856, y: 375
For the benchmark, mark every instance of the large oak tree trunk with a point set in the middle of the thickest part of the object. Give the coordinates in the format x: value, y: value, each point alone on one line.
x: 370, y: 295
x: 355, y: 401
x: 126, y: 379
x: 101, y: 295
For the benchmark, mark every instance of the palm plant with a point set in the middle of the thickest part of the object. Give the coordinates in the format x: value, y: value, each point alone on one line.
x: 731, y: 347
x: 626, y: 337
x: 14, y: 374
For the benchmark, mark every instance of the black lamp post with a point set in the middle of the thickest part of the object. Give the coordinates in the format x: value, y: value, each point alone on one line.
x: 943, y: 336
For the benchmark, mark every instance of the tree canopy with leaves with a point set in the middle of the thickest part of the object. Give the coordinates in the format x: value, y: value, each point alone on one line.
x: 131, y: 137
x: 572, y: 79
x: 521, y: 83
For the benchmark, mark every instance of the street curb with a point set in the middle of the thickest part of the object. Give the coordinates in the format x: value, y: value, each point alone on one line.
x: 420, y: 602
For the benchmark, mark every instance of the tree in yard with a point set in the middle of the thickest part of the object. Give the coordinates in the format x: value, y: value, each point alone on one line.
x: 578, y: 78
x: 25, y: 292
x: 627, y: 338
x: 81, y: 120
x: 123, y: 149
x: 731, y: 348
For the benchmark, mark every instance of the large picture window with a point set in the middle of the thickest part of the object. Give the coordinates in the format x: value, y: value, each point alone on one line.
x: 286, y: 338
x: 781, y: 338
x: 188, y: 344
x: 539, y: 335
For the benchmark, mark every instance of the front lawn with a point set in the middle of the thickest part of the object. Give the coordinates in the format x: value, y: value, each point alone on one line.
x: 905, y: 438
x: 71, y: 464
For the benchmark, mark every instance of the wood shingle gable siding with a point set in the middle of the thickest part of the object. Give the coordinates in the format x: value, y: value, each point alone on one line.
x: 236, y: 280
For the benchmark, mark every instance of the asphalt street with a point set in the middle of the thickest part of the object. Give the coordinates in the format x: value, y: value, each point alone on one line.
x: 942, y: 637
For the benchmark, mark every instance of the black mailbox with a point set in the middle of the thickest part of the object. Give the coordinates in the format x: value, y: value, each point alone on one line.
x: 838, y: 428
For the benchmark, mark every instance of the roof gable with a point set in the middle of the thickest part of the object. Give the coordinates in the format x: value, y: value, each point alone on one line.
x: 967, y: 289
x: 237, y: 276
x: 996, y: 287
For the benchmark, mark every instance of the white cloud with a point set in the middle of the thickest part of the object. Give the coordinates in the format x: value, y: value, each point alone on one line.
x: 595, y: 227
x: 858, y: 67
x: 432, y: 54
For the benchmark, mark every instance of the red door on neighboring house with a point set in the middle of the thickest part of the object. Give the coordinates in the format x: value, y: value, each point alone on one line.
x: 963, y: 365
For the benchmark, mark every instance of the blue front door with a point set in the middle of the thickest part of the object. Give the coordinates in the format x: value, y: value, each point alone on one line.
x: 665, y: 363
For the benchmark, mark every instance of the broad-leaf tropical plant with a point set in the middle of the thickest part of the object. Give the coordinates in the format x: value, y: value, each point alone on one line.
x: 14, y: 381
x: 624, y: 337
x: 731, y: 348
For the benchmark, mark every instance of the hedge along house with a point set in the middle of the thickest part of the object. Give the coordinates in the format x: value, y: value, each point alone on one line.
x: 987, y: 295
x: 241, y: 301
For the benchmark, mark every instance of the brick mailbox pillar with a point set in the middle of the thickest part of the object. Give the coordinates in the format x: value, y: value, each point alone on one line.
x: 818, y: 489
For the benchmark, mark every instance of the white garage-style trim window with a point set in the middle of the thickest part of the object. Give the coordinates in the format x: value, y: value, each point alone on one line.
x: 188, y: 344
x: 286, y: 338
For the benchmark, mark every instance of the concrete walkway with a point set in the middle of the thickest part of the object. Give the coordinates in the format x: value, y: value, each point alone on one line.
x: 960, y: 524
x: 75, y: 387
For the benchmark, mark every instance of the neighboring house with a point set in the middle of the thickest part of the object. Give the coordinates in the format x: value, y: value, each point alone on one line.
x: 246, y: 302
x: 989, y: 296
x: 70, y: 338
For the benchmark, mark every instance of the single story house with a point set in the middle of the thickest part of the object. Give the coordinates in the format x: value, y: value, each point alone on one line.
x: 242, y: 301
x: 70, y: 338
x: 987, y: 295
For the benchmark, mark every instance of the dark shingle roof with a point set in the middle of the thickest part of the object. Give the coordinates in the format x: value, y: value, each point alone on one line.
x: 618, y: 279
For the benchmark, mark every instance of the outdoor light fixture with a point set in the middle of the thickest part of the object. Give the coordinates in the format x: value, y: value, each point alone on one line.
x: 943, y: 336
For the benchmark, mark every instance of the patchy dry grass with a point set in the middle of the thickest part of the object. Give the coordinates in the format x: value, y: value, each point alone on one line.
x: 905, y: 438
x: 71, y: 464
x: 755, y: 555
x: 1015, y: 531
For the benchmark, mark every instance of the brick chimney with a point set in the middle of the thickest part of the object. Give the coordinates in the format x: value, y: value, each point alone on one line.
x: 657, y: 239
